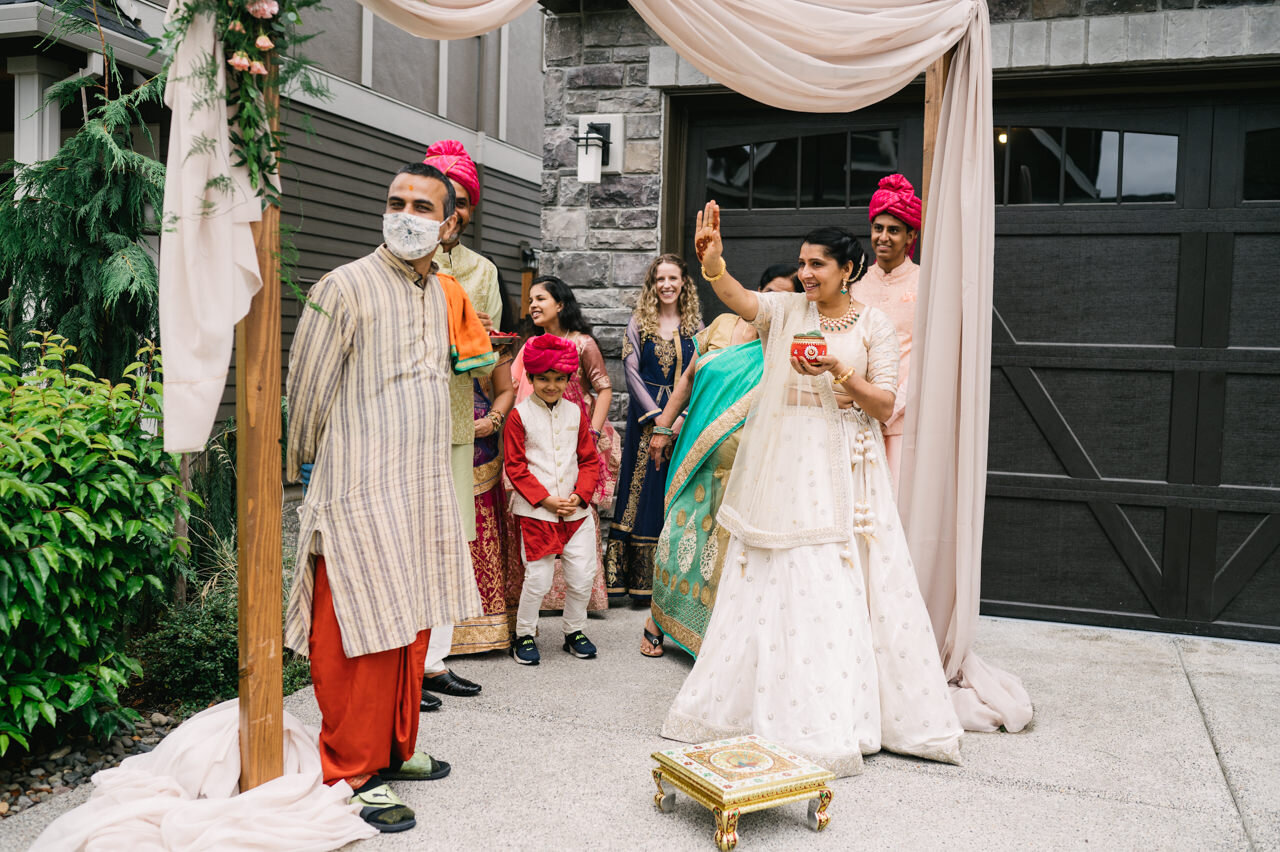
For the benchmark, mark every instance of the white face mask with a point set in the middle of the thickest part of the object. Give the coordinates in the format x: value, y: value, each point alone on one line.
x: 410, y: 237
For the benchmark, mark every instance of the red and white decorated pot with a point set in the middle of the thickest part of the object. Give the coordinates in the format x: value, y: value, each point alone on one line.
x: 809, y: 348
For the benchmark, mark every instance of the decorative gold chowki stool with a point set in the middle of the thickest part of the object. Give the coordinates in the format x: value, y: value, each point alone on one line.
x: 740, y: 775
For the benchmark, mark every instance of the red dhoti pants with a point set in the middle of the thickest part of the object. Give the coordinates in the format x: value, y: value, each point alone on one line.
x: 368, y: 704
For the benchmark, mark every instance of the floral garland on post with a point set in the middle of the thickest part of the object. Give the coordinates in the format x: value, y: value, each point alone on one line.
x: 260, y: 39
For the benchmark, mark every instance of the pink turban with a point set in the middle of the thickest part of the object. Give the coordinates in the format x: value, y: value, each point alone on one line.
x: 898, y: 198
x: 450, y: 157
x: 548, y: 352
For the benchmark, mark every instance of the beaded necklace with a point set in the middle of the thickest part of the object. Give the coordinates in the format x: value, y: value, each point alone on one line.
x: 841, y: 323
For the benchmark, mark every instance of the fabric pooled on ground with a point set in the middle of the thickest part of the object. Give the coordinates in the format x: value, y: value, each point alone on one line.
x: 185, y: 795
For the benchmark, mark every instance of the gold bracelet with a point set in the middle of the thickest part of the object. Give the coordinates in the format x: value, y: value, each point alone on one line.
x: 724, y: 267
x: 841, y: 380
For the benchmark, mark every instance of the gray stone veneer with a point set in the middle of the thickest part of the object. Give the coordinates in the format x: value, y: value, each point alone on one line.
x: 600, y: 238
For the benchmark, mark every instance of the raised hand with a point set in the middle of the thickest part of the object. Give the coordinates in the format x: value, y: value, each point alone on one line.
x: 706, y: 238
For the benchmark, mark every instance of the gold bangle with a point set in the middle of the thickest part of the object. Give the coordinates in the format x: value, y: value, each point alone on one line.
x: 841, y: 380
x: 724, y: 267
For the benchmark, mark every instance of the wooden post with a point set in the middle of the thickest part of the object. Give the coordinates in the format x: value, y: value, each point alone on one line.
x: 258, y: 502
x: 935, y: 83
x: 180, y: 527
x: 526, y: 281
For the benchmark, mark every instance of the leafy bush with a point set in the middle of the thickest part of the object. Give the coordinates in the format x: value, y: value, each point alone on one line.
x: 191, y: 658
x: 88, y: 499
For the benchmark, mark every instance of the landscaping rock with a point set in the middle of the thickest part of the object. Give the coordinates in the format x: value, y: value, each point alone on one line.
x: 39, y: 777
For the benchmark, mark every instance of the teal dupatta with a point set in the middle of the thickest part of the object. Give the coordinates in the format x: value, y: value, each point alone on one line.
x: 690, y: 552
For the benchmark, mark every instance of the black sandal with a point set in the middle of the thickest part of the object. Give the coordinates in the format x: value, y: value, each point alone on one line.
x: 655, y: 642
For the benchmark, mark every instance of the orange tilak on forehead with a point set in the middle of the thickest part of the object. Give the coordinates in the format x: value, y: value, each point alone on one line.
x: 411, y: 187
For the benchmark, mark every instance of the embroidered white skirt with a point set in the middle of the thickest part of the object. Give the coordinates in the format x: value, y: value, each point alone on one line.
x: 825, y: 649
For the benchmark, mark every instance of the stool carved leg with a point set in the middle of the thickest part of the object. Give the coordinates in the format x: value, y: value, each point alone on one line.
x: 665, y: 801
x: 818, y: 816
x: 726, y: 829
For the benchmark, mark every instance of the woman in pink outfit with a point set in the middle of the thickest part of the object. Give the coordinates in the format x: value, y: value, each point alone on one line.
x: 890, y: 285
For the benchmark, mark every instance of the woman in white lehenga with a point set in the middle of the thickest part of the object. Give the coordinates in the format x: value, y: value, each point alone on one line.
x: 819, y: 639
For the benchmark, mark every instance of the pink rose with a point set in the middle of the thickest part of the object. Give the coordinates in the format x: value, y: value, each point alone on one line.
x: 239, y: 61
x: 264, y: 43
x: 257, y: 68
x: 235, y: 27
x: 263, y: 8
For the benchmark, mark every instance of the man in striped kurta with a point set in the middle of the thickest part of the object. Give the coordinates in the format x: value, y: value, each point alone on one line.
x: 382, y: 555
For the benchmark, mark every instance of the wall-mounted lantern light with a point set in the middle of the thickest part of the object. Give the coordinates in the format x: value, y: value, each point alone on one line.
x: 600, y: 145
x: 593, y: 152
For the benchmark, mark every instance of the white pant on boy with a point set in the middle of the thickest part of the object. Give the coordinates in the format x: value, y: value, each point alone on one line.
x: 579, y: 564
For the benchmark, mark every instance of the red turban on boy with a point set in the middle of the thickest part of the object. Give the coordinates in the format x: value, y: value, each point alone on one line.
x: 548, y: 352
x: 450, y: 157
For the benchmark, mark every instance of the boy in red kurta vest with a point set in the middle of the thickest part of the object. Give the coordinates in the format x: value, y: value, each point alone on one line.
x: 551, y: 461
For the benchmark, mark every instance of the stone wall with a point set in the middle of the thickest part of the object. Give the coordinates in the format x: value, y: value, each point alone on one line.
x: 600, y: 238
x: 1028, y: 10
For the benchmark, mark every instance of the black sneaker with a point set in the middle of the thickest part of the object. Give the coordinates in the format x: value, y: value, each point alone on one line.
x: 579, y: 645
x: 525, y: 651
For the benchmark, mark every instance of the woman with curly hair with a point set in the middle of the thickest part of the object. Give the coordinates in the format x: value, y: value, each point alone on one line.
x: 658, y: 345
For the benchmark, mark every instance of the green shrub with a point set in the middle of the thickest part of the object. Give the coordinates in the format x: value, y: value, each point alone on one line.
x: 191, y: 658
x: 88, y: 499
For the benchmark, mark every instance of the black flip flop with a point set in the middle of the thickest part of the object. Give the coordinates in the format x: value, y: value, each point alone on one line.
x: 655, y: 642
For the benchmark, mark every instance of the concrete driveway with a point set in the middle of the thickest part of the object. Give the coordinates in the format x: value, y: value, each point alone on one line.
x: 1140, y: 741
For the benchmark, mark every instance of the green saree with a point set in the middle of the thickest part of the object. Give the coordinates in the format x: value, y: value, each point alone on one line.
x: 690, y: 549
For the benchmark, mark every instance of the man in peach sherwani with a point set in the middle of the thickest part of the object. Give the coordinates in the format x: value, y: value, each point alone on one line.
x: 890, y: 285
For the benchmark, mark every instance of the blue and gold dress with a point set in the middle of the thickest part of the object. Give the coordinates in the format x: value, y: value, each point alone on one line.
x: 652, y: 366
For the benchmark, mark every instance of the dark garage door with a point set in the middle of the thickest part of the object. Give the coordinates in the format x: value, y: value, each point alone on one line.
x: 1135, y: 454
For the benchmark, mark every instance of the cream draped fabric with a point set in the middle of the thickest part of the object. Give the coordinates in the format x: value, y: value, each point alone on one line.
x: 186, y: 795
x: 807, y: 56
x: 839, y: 56
x: 208, y: 263
x: 447, y: 19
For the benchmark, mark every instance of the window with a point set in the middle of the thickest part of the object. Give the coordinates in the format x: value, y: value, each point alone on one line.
x: 1092, y: 167
x: 773, y: 180
x: 1056, y: 165
x: 1262, y: 165
x: 823, y: 176
x: 729, y: 176
x: 824, y: 170
x: 1150, y: 167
